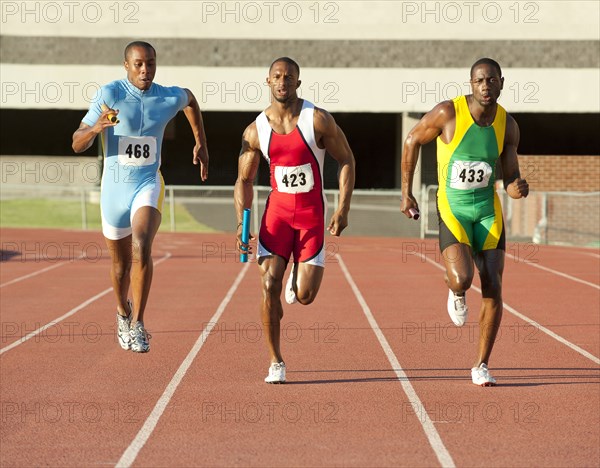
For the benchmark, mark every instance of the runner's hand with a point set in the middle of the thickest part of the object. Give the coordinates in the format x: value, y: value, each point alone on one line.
x: 408, y: 202
x: 103, y: 122
x: 240, y: 246
x: 518, y: 188
x: 200, y: 156
x: 338, y: 223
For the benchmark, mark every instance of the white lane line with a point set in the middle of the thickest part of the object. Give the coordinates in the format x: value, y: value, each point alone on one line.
x: 145, y: 432
x: 431, y: 432
x: 589, y: 254
x: 559, y: 338
x: 35, y: 273
x: 564, y: 275
x: 66, y: 315
x: 513, y: 311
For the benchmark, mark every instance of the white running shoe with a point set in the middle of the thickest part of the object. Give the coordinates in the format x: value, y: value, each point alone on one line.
x: 290, y: 295
x: 481, y: 376
x: 276, y: 373
x: 123, y: 325
x: 140, y: 338
x: 457, y: 308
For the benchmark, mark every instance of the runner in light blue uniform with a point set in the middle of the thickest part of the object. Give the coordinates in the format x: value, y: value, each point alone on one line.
x: 132, y: 186
x: 132, y: 149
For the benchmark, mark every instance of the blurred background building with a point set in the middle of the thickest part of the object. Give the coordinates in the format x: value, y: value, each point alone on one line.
x: 376, y: 66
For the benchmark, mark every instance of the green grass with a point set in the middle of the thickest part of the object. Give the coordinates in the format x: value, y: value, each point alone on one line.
x: 66, y: 214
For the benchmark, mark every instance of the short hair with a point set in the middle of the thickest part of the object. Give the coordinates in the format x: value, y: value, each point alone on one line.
x: 486, y: 61
x: 286, y: 60
x: 143, y: 44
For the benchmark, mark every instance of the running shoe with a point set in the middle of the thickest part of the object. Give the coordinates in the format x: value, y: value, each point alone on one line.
x: 140, y: 338
x: 457, y: 308
x: 481, y: 376
x: 123, y: 325
x: 276, y: 373
x: 290, y: 295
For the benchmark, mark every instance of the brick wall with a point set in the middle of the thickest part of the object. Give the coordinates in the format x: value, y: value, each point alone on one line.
x: 555, y: 218
x: 569, y: 218
x: 561, y: 173
x: 573, y: 220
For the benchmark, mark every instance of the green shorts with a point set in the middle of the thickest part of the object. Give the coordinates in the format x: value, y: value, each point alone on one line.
x: 474, y: 220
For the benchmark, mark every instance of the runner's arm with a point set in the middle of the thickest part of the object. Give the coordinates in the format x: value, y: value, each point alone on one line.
x: 337, y: 146
x: 513, y: 184
x: 427, y: 129
x: 248, y: 163
x: 85, y: 135
x: 200, y: 152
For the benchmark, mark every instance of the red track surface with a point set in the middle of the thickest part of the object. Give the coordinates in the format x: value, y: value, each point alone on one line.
x: 71, y: 397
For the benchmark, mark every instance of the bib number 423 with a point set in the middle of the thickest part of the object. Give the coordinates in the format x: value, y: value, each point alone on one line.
x: 295, y: 179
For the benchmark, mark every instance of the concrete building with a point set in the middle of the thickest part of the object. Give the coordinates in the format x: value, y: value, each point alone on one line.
x: 376, y: 65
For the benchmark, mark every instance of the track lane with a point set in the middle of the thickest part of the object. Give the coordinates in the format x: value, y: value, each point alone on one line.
x: 542, y: 383
x: 102, y: 392
x: 31, y: 252
x: 578, y: 266
x: 546, y: 407
x: 40, y: 300
x: 341, y: 406
x: 523, y: 286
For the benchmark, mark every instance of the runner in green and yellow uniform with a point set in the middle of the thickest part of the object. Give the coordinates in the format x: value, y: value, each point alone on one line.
x: 472, y: 133
x: 469, y: 208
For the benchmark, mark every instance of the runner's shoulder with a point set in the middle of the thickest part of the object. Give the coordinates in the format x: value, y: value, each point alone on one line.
x: 323, y: 119
x: 250, y: 137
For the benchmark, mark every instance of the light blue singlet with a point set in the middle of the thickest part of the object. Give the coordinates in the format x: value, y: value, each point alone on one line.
x: 132, y: 149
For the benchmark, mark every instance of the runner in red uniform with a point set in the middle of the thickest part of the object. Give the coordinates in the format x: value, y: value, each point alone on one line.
x: 293, y: 136
x: 294, y: 219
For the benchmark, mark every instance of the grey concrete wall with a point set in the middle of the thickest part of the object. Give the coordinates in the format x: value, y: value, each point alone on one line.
x: 309, y: 53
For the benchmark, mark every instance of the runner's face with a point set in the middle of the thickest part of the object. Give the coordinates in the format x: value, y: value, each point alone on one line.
x: 283, y: 81
x: 486, y: 84
x: 141, y: 67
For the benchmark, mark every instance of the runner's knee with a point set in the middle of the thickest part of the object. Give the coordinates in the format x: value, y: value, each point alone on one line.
x: 459, y: 282
x: 121, y: 270
x: 306, y: 297
x: 142, y: 249
x: 271, y: 286
x: 491, y: 286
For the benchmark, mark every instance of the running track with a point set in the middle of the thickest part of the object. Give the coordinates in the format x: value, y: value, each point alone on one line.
x: 377, y: 376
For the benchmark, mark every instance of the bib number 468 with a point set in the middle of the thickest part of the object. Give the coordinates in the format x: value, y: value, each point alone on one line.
x: 138, y: 151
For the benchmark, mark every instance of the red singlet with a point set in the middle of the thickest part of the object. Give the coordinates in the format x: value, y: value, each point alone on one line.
x: 294, y: 217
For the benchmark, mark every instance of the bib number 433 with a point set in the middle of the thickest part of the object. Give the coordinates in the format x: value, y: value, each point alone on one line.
x: 470, y: 174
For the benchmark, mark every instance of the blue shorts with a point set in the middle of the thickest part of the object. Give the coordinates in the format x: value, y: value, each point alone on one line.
x: 119, y: 203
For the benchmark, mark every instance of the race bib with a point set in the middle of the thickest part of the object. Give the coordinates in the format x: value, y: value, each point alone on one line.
x: 297, y: 179
x: 467, y: 175
x: 137, y: 151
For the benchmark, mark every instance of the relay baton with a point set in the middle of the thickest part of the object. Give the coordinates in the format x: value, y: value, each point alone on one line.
x: 414, y: 213
x: 112, y: 117
x: 245, y: 232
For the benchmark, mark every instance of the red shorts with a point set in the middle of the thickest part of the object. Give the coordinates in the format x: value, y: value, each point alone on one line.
x: 300, y: 231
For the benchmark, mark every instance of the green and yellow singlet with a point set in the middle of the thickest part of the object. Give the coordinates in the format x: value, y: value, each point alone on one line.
x: 469, y: 209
